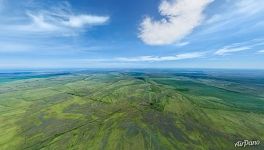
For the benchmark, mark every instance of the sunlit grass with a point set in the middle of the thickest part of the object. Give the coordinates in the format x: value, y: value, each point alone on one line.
x: 126, y: 111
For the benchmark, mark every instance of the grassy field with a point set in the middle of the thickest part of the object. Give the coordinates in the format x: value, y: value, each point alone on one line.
x: 130, y: 111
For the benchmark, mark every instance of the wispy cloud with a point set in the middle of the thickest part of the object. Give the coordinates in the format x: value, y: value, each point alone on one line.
x: 31, y: 27
x: 179, y: 20
x: 237, y: 10
x: 237, y: 13
x: 238, y: 47
x: 227, y: 50
x: 261, y: 51
x: 250, y: 6
x: 182, y: 44
x: 161, y: 58
x: 58, y: 20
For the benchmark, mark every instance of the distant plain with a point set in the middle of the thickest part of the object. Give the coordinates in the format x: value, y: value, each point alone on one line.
x: 131, y: 109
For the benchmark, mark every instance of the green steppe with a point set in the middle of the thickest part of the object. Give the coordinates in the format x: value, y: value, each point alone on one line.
x: 129, y: 111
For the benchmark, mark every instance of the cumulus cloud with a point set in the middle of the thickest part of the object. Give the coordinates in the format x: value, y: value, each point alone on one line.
x: 161, y: 58
x: 180, y: 17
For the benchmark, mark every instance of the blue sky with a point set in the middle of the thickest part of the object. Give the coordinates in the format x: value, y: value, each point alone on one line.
x: 132, y: 34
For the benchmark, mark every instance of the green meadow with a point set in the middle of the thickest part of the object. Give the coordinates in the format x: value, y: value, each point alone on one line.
x: 131, y: 111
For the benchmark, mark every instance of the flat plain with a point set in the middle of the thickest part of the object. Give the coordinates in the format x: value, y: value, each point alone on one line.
x: 137, y: 110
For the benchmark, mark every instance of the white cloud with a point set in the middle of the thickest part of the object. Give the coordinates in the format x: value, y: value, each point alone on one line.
x: 243, y: 13
x: 182, y: 44
x: 227, y: 50
x: 250, y: 7
x: 58, y: 20
x: 82, y: 20
x: 161, y: 58
x: 38, y: 24
x: 179, y: 20
x: 45, y: 22
x: 238, y: 9
x: 261, y: 51
x: 243, y: 46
